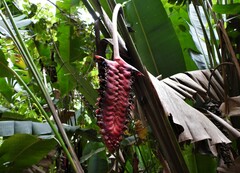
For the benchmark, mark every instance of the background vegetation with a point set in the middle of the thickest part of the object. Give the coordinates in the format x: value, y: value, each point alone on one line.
x: 186, y: 115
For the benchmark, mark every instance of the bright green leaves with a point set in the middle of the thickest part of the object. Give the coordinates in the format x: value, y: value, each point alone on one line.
x: 65, y: 79
x: 73, y: 40
x: 6, y: 90
x: 155, y: 37
x: 227, y: 9
x: 199, y: 163
x: 21, y: 151
x: 179, y: 18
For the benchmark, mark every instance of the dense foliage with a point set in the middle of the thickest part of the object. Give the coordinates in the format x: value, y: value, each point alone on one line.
x: 49, y: 86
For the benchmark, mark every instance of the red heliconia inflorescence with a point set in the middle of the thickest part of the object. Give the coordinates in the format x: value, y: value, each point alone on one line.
x: 115, y: 93
x: 115, y: 99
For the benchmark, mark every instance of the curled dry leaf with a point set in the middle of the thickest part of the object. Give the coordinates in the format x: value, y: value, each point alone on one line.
x: 196, y: 126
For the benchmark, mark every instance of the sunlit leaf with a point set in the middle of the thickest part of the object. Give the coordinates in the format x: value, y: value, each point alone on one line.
x: 6, y: 89
x: 71, y: 53
x: 201, y: 58
x: 180, y: 20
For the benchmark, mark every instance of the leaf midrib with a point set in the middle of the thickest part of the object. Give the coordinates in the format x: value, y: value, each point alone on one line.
x: 146, y: 38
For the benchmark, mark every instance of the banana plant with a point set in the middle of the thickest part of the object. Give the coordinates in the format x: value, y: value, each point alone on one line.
x: 164, y: 106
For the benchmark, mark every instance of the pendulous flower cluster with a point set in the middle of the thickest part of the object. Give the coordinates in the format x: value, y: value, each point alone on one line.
x: 115, y: 99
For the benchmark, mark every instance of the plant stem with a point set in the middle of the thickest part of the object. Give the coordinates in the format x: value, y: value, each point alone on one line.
x: 115, y: 32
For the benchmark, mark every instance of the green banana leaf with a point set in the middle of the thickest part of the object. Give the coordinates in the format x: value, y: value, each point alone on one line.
x: 155, y: 38
x: 65, y: 80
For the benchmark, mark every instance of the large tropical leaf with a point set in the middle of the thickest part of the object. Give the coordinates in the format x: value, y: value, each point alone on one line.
x: 21, y: 151
x: 155, y: 38
x: 206, y: 89
x: 65, y: 78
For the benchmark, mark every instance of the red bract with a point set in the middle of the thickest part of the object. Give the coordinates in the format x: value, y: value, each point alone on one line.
x: 115, y: 101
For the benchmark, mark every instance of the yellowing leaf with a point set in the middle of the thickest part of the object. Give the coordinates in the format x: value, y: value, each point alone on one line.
x: 19, y: 62
x: 140, y: 130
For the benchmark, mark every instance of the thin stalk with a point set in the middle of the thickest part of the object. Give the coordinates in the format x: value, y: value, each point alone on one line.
x: 212, y: 74
x: 28, y: 59
x: 207, y: 41
x: 212, y: 35
x: 107, y: 27
x: 115, y: 32
x: 95, y: 17
x: 144, y: 163
x: 229, y: 47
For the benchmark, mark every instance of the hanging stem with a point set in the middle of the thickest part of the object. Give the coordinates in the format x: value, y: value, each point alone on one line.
x: 115, y: 32
x: 229, y: 47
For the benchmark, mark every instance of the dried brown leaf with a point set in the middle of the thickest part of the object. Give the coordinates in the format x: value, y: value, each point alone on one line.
x: 196, y: 125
